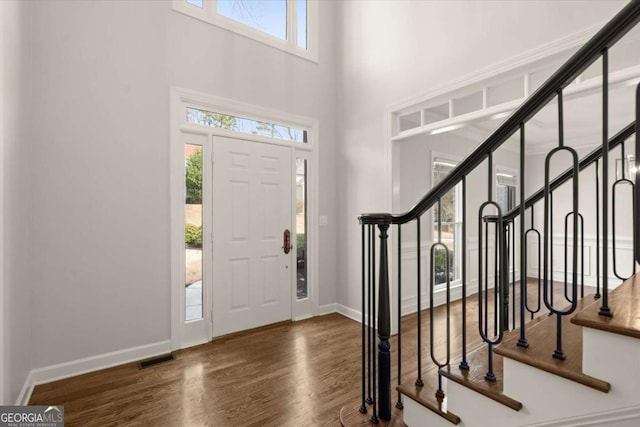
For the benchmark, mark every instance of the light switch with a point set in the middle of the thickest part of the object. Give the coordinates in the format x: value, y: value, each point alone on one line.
x: 323, y: 221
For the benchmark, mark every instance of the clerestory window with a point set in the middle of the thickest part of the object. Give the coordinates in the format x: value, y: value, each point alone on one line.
x: 289, y: 25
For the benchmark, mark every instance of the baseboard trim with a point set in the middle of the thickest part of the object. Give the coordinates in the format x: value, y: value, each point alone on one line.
x: 349, y: 312
x: 597, y: 419
x: 77, y: 367
x: 327, y: 309
x: 27, y: 389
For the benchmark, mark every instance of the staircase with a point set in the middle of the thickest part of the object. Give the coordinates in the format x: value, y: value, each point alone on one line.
x: 513, y: 351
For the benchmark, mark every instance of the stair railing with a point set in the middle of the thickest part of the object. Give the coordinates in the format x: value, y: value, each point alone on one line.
x: 376, y: 373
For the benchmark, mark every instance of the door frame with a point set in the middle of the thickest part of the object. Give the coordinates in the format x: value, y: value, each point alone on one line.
x: 182, y: 336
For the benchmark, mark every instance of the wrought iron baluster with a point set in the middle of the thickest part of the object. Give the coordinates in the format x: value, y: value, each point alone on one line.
x: 486, y: 269
x: 399, y: 402
x: 496, y: 282
x: 374, y: 415
x: 597, y: 295
x: 483, y: 277
x: 363, y: 407
x: 548, y: 287
x: 566, y: 254
x: 605, y: 310
x: 419, y: 382
x: 636, y: 230
x: 622, y: 181
x: 464, y: 365
x: 432, y: 285
x: 369, y: 399
x: 539, y: 287
x: 512, y: 258
x: 522, y: 340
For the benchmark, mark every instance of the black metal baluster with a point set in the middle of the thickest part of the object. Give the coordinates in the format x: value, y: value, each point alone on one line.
x: 419, y: 381
x: 483, y: 222
x: 399, y: 402
x: 464, y: 365
x: 597, y: 295
x: 432, y: 285
x: 551, y: 248
x: 374, y: 416
x: 486, y: 269
x: 369, y: 399
x: 384, y: 328
x: 566, y: 254
x: 618, y: 182
x: 522, y: 340
x: 496, y: 282
x: 363, y: 407
x: 604, y: 309
x: 636, y: 229
x: 581, y: 256
x: 539, y: 240
x: 548, y: 287
x: 512, y: 229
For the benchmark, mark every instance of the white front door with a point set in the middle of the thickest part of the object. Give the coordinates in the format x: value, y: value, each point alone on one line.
x: 252, y: 209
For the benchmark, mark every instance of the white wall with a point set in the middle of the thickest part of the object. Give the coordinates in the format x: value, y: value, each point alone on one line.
x: 17, y: 206
x: 392, y: 51
x: 104, y: 69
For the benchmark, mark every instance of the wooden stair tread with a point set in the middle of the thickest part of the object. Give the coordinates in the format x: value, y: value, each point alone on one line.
x: 624, y: 302
x: 542, y: 341
x: 474, y: 377
x: 350, y: 416
x: 426, y: 395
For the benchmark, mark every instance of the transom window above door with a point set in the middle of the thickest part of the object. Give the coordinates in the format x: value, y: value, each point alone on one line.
x: 231, y: 123
x: 289, y: 25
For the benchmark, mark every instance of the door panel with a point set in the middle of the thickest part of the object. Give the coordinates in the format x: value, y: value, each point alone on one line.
x: 251, y: 209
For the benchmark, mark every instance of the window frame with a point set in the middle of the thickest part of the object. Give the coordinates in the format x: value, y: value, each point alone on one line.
x: 457, y: 255
x: 516, y: 185
x: 209, y: 13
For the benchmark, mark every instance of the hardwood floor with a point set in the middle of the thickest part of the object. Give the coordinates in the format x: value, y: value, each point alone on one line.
x: 293, y: 374
x: 296, y: 374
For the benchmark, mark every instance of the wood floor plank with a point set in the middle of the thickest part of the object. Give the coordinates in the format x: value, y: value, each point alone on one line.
x: 281, y: 377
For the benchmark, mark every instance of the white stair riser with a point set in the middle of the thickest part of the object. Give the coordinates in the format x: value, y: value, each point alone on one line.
x: 546, y: 396
x: 416, y: 415
x: 476, y: 410
x: 613, y: 358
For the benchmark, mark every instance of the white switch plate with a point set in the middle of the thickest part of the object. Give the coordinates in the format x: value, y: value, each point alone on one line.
x: 323, y: 221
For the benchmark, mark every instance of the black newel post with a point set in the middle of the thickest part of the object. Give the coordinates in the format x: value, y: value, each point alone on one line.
x: 384, y: 330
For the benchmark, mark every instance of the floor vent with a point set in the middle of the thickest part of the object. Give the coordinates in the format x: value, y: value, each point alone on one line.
x: 156, y: 361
